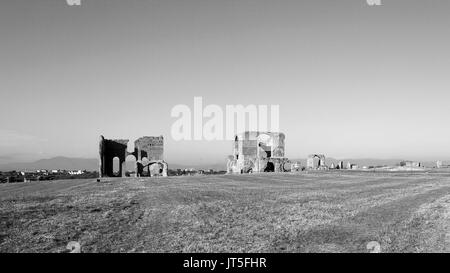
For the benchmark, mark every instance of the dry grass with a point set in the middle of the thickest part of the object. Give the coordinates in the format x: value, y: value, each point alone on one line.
x: 315, y: 212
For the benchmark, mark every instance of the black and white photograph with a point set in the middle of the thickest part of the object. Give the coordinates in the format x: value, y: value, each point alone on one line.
x: 238, y: 129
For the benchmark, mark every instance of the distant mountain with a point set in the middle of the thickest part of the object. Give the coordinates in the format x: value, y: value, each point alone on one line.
x: 90, y: 164
x: 214, y: 166
x: 62, y: 163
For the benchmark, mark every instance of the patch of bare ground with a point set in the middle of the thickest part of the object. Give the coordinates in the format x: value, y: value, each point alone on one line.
x: 427, y: 230
x: 313, y: 212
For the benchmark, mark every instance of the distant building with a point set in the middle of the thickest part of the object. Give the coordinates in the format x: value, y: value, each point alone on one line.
x: 411, y: 164
x: 349, y: 165
x: 255, y: 152
x: 320, y: 163
x: 439, y: 164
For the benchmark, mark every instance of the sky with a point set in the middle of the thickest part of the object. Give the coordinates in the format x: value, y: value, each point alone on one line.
x: 351, y: 80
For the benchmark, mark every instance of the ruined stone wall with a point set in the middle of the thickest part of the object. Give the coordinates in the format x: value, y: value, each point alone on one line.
x: 109, y: 149
x: 149, y: 147
x: 258, y: 152
x: 310, y: 162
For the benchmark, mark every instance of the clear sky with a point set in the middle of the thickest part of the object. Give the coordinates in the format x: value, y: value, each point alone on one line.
x: 351, y: 80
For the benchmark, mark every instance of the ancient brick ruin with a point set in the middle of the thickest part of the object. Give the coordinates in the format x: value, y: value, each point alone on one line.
x: 319, y: 166
x: 149, y: 148
x: 258, y: 152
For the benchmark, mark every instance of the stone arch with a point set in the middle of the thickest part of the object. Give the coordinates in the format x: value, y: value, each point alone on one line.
x: 116, y: 166
x: 265, y: 145
x: 154, y: 168
x: 109, y: 149
x: 130, y: 165
x: 158, y: 168
x: 270, y: 167
x: 287, y: 166
x: 150, y: 147
x: 145, y: 162
x: 311, y: 161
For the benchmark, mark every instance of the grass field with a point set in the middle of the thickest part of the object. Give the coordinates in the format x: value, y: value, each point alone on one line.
x: 310, y: 212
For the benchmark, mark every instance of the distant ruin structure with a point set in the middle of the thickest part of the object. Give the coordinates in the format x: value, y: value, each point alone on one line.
x: 411, y: 164
x: 296, y: 167
x: 149, y: 148
x: 310, y: 165
x: 258, y: 152
x: 349, y: 166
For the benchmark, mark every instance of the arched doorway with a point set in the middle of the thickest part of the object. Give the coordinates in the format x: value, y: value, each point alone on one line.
x: 287, y: 166
x: 270, y: 167
x: 265, y: 143
x: 116, y: 166
x: 130, y: 166
x: 316, y: 162
x: 156, y: 168
x: 145, y: 162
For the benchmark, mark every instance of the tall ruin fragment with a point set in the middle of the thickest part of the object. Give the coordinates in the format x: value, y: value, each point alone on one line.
x: 150, y: 148
x: 320, y: 165
x: 258, y: 152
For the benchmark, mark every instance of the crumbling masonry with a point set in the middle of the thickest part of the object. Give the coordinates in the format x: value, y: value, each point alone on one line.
x: 151, y: 148
x: 258, y: 152
x: 321, y: 163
